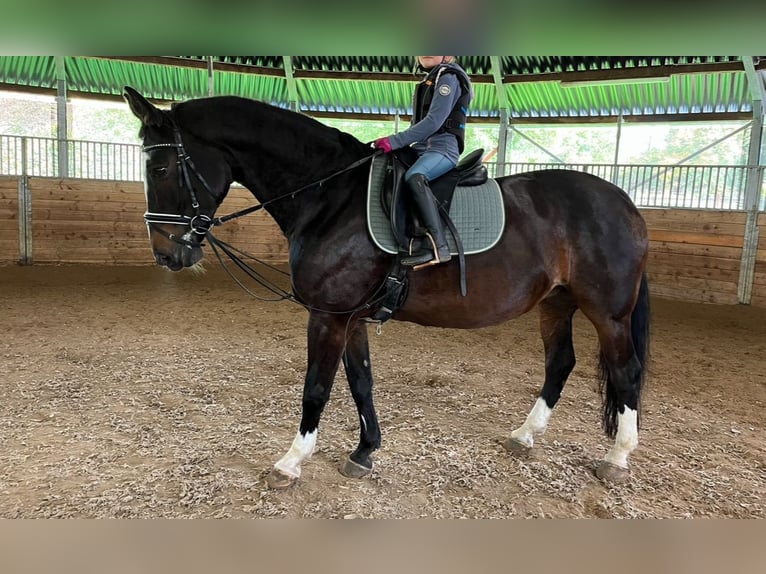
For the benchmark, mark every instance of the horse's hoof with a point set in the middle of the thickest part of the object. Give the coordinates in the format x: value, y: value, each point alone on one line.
x: 608, y: 472
x: 516, y: 447
x: 278, y: 480
x: 353, y: 469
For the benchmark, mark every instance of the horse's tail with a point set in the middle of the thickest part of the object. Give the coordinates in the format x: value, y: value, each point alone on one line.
x: 639, y: 331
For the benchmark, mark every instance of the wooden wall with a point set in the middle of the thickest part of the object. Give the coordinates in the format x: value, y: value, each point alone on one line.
x: 694, y: 254
x: 91, y: 221
x: 9, y: 220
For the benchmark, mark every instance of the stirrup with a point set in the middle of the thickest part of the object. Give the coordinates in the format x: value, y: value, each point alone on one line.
x: 418, y: 259
x: 427, y: 258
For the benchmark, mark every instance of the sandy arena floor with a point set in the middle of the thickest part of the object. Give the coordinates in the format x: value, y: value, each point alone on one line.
x: 135, y: 392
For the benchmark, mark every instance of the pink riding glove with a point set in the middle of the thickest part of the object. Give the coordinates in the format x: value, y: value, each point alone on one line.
x: 384, y: 144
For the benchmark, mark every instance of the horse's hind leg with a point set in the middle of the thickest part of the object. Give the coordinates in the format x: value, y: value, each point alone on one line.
x: 356, y: 360
x: 621, y: 373
x: 556, y: 329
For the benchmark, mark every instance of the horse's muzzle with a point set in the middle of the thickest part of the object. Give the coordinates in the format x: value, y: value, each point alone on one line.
x: 179, y: 259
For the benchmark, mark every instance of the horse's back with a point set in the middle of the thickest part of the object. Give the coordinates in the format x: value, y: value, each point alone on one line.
x: 574, y: 202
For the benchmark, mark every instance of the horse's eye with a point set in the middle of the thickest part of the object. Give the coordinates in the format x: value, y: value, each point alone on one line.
x: 159, y: 172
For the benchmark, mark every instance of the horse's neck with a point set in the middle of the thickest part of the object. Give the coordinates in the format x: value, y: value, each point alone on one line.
x: 274, y: 168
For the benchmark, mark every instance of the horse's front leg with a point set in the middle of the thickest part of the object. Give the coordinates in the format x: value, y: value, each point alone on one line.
x: 356, y: 361
x: 326, y: 335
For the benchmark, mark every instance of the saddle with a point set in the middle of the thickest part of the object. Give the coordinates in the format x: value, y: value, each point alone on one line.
x: 467, y: 197
x: 397, y: 204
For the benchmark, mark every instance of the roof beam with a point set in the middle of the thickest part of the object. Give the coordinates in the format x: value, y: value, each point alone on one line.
x: 628, y: 73
x: 375, y: 76
x: 497, y: 75
x: 199, y: 64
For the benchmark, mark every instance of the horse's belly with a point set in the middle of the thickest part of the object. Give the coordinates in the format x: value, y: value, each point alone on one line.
x: 466, y: 314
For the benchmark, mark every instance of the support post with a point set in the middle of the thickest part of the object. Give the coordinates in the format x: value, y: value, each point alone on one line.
x: 616, y: 164
x: 504, y: 108
x: 502, y: 143
x: 210, y: 77
x: 25, y: 221
x: 752, y: 185
x: 62, y: 130
x: 292, y: 87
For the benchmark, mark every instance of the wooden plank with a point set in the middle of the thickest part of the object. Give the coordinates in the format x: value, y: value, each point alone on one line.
x: 702, y: 227
x: 682, y: 294
x: 692, y: 215
x: 84, y: 184
x: 728, y: 273
x: 89, y: 198
x: 760, y: 266
x: 103, y: 257
x: 694, y: 261
x: 683, y: 249
x: 682, y: 271
x: 78, y: 215
x: 65, y: 226
x: 693, y: 283
x: 87, y: 187
x: 696, y: 238
x: 43, y: 206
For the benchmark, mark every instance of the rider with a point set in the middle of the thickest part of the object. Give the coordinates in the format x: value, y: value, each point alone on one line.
x: 437, y: 133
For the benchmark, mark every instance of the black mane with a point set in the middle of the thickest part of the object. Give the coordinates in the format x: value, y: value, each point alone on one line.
x: 243, y: 118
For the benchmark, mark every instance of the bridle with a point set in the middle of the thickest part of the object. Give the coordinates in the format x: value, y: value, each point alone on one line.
x: 201, y: 223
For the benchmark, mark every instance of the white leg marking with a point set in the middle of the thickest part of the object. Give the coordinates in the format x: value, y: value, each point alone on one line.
x: 537, y: 420
x: 301, y: 449
x: 626, y: 440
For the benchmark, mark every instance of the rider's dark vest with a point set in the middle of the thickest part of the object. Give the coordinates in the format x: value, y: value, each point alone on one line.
x: 424, y: 95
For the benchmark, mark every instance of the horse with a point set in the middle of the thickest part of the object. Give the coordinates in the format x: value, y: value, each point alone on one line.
x: 571, y: 241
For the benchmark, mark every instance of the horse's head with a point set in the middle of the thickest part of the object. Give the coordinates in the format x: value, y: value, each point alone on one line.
x: 186, y: 179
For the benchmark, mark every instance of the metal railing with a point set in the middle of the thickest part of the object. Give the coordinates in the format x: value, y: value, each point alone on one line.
x: 702, y: 187
x: 690, y: 186
x: 85, y: 159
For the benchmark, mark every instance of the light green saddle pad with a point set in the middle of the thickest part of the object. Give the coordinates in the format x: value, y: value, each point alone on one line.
x: 477, y: 212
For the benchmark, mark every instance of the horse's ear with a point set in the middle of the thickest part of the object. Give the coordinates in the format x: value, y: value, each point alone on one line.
x: 142, y: 109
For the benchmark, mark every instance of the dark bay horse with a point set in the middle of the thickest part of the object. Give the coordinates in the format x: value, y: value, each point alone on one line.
x: 572, y: 241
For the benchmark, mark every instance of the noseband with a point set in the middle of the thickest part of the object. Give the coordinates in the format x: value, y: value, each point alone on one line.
x: 199, y: 223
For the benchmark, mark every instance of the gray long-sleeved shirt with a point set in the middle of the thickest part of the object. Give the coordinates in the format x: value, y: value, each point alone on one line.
x: 423, y: 133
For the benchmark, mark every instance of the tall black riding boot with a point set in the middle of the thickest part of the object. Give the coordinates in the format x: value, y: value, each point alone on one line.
x: 429, y: 214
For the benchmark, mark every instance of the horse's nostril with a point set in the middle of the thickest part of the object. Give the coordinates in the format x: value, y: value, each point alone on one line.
x: 162, y: 259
